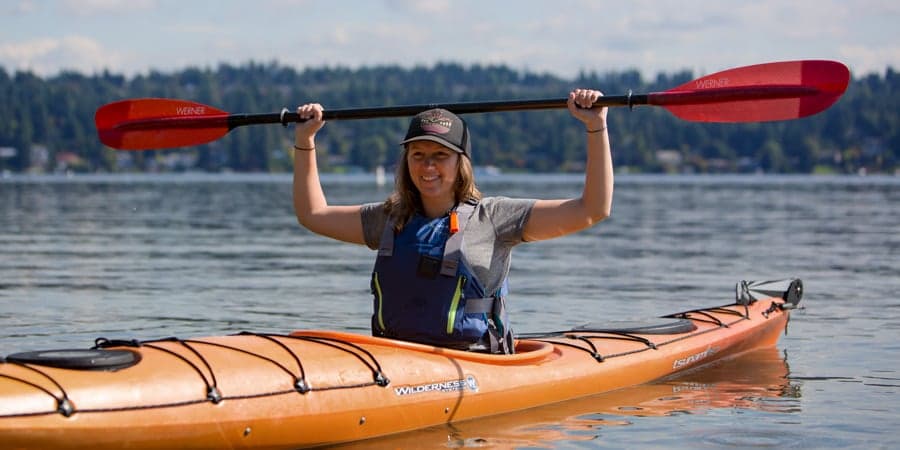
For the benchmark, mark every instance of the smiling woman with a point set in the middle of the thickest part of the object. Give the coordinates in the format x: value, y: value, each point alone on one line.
x: 443, y: 250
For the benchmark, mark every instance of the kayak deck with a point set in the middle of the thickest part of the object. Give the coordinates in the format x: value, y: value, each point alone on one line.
x: 320, y: 387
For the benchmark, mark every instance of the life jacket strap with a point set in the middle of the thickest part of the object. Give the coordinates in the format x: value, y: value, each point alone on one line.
x: 503, y: 334
x: 386, y: 247
x: 480, y: 305
x: 499, y: 338
x: 453, y: 247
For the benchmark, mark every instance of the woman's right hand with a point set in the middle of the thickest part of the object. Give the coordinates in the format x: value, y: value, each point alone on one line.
x: 305, y: 132
x: 580, y: 105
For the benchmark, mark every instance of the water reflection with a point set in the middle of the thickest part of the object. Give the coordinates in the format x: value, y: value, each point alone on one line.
x: 755, y: 381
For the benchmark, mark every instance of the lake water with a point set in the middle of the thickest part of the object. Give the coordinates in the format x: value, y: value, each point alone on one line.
x: 193, y: 255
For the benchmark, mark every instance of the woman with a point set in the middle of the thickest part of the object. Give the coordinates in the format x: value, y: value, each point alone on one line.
x: 443, y: 250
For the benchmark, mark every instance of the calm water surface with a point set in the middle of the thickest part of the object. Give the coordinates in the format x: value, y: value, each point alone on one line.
x: 190, y: 255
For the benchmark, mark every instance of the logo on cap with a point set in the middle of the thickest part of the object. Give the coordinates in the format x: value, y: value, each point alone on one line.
x: 435, y: 122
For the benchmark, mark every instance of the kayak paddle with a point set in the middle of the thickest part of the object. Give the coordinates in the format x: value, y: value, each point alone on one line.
x: 763, y: 92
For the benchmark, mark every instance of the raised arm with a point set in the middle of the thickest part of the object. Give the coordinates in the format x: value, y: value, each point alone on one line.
x: 313, y: 212
x: 554, y: 218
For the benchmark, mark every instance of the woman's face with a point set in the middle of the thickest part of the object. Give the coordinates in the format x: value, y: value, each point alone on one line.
x: 433, y: 170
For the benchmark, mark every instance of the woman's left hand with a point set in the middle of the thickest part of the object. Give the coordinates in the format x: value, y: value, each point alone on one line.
x: 580, y: 102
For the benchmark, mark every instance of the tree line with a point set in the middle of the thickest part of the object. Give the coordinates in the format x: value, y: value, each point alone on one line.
x: 46, y: 124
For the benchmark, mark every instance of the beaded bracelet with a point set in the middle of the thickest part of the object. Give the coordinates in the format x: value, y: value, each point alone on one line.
x: 304, y: 148
x: 595, y: 131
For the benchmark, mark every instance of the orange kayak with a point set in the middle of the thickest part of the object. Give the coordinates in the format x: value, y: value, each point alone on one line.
x: 311, y: 388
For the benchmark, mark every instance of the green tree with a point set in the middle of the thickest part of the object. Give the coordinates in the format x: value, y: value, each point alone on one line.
x: 860, y: 131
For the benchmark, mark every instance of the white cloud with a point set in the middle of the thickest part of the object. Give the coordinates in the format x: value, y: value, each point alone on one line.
x: 103, y: 7
x: 23, y: 55
x: 46, y: 56
x: 422, y: 6
x: 20, y: 7
x: 864, y: 59
x: 341, y: 36
x: 196, y: 28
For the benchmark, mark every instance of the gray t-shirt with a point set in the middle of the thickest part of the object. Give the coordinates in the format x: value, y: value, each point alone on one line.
x: 496, y: 226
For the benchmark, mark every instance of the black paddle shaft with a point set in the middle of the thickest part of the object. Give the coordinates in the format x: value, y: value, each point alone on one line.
x: 285, y: 116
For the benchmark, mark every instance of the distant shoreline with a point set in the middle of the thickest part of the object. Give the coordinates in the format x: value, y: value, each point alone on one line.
x: 370, y: 178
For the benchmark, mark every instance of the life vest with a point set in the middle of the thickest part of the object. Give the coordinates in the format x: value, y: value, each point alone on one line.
x: 424, y: 292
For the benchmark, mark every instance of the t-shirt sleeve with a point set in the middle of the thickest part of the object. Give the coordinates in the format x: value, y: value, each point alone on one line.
x: 373, y: 219
x: 508, y: 216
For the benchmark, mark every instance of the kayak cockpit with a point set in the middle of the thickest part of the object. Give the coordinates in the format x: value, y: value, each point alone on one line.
x: 527, y: 351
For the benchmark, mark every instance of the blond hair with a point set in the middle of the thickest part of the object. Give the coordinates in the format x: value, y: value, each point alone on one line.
x: 403, y: 203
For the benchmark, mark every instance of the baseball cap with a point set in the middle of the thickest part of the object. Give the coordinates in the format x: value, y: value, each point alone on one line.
x: 441, y: 126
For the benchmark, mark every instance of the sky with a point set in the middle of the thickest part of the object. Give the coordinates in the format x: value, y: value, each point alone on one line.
x: 559, y: 37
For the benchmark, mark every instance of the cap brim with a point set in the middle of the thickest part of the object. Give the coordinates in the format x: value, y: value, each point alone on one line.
x: 432, y: 138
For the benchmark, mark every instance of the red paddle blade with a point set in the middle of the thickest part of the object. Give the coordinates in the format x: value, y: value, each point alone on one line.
x: 151, y: 123
x: 758, y: 93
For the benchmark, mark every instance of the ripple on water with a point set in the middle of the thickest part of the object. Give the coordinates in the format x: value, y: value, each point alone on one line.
x: 753, y: 438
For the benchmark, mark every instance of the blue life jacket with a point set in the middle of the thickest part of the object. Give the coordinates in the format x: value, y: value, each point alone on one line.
x: 424, y: 292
